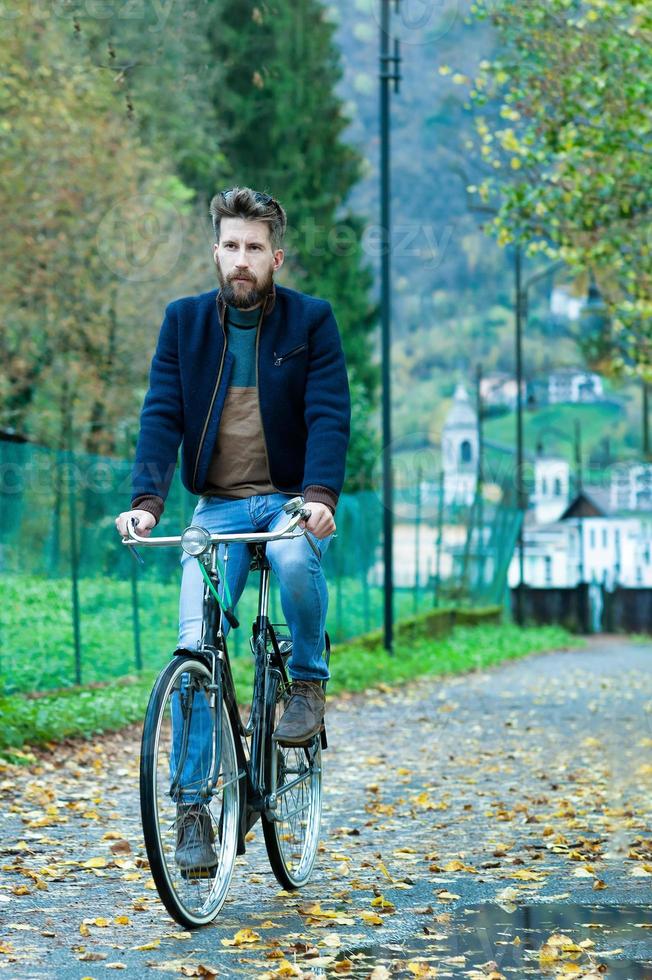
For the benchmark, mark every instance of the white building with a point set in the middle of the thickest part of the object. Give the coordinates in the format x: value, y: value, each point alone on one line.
x: 459, y: 450
x: 405, y: 551
x: 594, y: 537
x: 586, y: 545
x: 574, y: 385
x: 500, y: 388
x: 631, y: 487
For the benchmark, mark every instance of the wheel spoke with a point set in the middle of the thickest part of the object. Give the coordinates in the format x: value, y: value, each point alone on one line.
x: 292, y: 828
x: 191, y: 840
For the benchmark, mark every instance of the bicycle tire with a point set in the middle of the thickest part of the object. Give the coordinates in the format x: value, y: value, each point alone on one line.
x: 291, y: 831
x: 192, y: 895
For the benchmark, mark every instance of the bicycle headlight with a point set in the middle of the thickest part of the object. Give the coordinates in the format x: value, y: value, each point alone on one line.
x: 195, y: 540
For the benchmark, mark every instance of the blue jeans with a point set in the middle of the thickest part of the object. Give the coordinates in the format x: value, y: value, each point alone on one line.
x: 303, y: 593
x: 304, y: 596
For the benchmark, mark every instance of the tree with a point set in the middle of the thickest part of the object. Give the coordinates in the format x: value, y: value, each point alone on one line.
x: 70, y: 297
x: 568, y: 170
x: 159, y: 62
x: 282, y: 126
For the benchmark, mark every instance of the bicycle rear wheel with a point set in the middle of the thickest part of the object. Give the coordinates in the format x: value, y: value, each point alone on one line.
x: 189, y: 793
x: 294, y: 775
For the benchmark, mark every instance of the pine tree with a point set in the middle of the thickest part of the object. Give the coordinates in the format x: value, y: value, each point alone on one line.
x: 282, y: 127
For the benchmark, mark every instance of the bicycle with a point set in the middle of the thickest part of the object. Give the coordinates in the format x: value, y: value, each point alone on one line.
x: 205, y: 774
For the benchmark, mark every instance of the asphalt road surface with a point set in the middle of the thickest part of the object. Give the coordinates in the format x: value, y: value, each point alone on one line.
x: 495, y: 824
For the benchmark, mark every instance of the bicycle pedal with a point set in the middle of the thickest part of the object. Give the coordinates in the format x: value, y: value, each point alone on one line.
x: 192, y: 874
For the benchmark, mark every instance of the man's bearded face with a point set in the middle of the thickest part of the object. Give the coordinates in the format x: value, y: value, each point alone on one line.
x: 245, y: 262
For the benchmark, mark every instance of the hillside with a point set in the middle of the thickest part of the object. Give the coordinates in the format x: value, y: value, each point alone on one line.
x: 606, y: 428
x: 609, y: 433
x: 453, y: 286
x: 442, y: 261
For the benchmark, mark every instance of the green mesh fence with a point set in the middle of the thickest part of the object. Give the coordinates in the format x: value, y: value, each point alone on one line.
x: 77, y: 608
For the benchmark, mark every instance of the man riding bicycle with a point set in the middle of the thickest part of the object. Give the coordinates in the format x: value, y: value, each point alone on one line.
x: 251, y: 381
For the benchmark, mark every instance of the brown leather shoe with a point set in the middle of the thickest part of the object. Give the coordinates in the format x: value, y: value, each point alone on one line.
x: 195, y: 838
x: 303, y: 717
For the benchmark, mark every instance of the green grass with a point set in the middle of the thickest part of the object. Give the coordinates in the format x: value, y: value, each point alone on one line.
x: 38, y: 643
x: 552, y: 425
x: 37, y: 646
x: 464, y: 648
x: 82, y: 712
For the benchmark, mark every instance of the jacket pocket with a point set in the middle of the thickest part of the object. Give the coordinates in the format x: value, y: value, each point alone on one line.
x: 279, y: 358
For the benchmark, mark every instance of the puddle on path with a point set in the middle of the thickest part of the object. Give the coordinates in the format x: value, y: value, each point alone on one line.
x: 542, y: 940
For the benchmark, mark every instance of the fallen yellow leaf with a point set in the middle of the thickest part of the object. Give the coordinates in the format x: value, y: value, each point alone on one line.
x: 96, y: 862
x: 242, y: 938
x: 155, y: 943
x: 419, y: 968
x: 526, y: 875
x: 287, y: 969
x: 382, y: 903
x: 371, y: 918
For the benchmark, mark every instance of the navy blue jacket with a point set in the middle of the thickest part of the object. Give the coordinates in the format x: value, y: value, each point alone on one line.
x: 303, y: 395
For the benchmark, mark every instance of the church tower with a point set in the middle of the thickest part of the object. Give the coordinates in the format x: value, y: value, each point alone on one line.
x: 459, y: 449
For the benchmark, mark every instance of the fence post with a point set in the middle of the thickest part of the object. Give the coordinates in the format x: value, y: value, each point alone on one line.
x: 338, y: 595
x: 465, y: 587
x: 74, y: 565
x: 440, y: 530
x: 362, y: 518
x: 135, y: 616
x: 365, y: 590
x: 417, y: 524
x: 55, y: 557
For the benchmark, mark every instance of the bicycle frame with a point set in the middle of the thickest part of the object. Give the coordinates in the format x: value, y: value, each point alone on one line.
x: 256, y: 796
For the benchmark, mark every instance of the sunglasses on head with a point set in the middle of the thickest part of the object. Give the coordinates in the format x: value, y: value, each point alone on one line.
x: 259, y: 197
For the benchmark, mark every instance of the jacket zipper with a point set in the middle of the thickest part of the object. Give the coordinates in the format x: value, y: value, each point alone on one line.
x: 262, y: 427
x: 279, y: 358
x: 210, y: 409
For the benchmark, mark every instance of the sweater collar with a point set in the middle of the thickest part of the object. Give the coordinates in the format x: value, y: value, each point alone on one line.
x: 268, y: 304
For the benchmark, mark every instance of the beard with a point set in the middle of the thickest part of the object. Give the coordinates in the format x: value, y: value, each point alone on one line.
x: 244, y: 295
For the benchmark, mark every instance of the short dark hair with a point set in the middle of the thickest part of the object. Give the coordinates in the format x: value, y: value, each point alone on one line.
x: 244, y: 202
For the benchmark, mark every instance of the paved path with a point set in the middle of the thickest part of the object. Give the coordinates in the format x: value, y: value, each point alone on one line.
x: 475, y: 818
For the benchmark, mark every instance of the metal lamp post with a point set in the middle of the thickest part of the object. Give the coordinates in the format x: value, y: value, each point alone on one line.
x: 521, y: 313
x: 389, y: 72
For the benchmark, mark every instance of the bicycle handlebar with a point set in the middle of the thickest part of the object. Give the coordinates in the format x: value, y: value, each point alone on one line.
x: 169, y: 541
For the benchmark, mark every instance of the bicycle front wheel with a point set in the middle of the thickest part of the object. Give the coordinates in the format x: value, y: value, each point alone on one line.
x: 294, y: 775
x: 189, y: 792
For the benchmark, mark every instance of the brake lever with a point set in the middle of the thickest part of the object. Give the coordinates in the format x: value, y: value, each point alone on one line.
x: 305, y: 513
x: 312, y: 543
x: 132, y: 548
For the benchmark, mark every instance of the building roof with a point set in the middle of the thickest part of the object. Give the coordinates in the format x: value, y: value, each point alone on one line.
x: 582, y: 506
